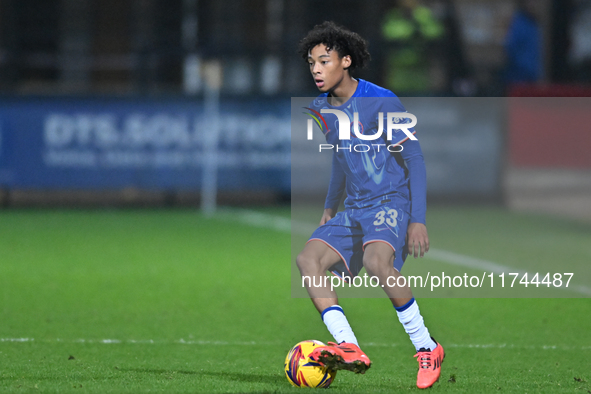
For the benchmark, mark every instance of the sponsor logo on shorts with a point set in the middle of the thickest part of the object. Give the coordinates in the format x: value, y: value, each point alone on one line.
x: 382, y: 228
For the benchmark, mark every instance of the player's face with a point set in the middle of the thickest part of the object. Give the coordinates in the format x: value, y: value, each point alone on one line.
x: 327, y: 68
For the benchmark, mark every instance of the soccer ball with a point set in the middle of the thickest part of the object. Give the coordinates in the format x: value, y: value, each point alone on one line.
x: 303, y: 372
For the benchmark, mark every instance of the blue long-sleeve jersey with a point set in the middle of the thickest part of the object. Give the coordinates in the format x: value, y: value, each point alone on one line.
x: 372, y: 176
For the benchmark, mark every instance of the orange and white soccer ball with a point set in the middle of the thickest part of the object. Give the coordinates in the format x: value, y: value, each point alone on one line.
x: 303, y: 372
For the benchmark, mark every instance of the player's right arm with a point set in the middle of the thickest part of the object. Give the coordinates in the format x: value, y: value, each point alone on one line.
x: 328, y: 214
x: 336, y: 187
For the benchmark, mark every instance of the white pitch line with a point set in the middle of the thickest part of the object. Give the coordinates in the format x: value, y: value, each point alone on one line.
x: 469, y: 262
x: 194, y: 342
x: 492, y: 346
x: 283, y: 224
x: 16, y: 339
x: 258, y: 219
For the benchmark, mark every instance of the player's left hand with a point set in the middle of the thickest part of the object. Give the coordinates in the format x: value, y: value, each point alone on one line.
x: 417, y: 239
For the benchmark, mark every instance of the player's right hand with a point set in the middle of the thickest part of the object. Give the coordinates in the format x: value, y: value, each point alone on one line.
x: 327, y: 215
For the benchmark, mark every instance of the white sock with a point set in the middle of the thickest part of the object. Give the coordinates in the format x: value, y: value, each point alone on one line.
x: 412, y: 321
x: 337, y: 324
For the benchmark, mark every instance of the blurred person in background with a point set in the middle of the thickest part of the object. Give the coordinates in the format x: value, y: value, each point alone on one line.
x: 579, y: 54
x: 523, y: 46
x: 412, y: 31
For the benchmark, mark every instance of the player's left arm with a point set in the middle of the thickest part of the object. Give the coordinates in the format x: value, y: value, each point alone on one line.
x: 417, y: 238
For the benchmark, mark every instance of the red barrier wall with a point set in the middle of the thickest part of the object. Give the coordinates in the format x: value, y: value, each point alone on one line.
x: 550, y: 132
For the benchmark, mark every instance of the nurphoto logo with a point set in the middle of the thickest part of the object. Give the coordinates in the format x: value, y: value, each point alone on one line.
x: 394, y: 121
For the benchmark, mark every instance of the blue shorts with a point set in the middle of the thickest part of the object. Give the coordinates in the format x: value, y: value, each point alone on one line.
x: 350, y: 230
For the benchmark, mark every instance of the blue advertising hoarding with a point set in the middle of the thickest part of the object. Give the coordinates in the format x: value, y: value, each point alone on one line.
x: 67, y: 143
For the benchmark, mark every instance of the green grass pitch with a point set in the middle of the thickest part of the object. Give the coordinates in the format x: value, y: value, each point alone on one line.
x: 130, y: 301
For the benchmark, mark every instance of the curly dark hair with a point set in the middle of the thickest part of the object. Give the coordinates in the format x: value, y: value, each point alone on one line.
x: 344, y: 41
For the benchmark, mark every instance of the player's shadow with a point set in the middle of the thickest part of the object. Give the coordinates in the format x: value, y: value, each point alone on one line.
x: 236, y: 376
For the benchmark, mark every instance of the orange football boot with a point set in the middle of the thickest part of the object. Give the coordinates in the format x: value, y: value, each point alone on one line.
x: 429, y: 365
x: 345, y: 356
